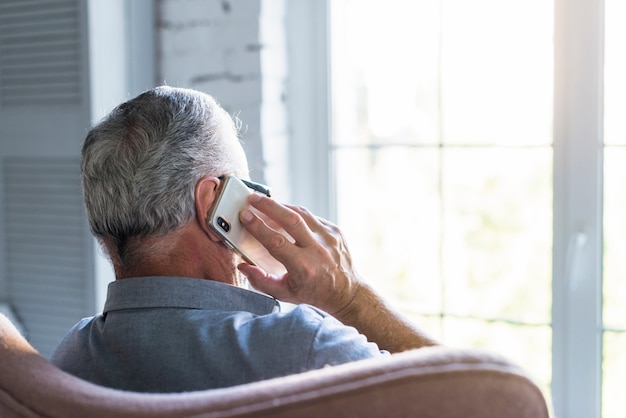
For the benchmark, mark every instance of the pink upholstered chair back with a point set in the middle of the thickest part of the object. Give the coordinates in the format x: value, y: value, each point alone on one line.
x: 434, y: 382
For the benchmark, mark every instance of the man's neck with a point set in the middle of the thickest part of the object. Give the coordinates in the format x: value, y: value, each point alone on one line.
x: 182, y: 253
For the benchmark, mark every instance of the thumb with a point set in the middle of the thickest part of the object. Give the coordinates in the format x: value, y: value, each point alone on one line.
x: 262, y: 281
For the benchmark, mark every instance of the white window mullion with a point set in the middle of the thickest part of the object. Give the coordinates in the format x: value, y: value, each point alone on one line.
x: 577, y: 262
x: 308, y: 101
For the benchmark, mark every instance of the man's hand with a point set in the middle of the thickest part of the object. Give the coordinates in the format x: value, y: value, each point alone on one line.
x: 319, y: 266
x: 320, y: 273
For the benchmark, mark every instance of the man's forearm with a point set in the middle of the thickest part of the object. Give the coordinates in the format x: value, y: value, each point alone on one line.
x: 375, y: 319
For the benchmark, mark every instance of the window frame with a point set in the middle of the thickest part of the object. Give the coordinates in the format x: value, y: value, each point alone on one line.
x: 577, y: 213
x: 308, y: 86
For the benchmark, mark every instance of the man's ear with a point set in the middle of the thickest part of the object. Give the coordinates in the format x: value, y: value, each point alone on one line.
x: 205, y: 194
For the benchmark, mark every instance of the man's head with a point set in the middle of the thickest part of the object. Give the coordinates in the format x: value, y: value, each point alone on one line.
x: 141, y: 164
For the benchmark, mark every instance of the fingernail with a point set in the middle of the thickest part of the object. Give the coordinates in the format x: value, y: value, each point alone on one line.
x: 246, y: 215
x: 255, y: 197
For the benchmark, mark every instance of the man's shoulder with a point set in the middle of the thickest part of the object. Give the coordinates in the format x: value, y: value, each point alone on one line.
x: 322, y: 338
x: 302, y: 324
x: 74, y: 341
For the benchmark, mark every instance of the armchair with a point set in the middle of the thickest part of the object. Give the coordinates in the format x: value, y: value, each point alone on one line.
x: 430, y: 382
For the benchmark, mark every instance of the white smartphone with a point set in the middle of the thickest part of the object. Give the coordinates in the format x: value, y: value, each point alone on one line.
x: 224, y: 220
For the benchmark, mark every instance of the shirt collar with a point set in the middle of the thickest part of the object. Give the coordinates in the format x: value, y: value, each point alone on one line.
x: 182, y: 292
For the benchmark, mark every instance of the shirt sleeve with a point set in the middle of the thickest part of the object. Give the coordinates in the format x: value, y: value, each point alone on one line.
x: 336, y: 343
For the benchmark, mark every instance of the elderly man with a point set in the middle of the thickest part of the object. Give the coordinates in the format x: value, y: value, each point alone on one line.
x: 179, y: 317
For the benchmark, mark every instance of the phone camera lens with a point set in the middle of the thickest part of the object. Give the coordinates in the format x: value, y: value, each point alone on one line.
x: 223, y: 223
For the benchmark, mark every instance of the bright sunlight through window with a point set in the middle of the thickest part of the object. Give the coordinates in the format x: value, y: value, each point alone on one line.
x: 442, y: 151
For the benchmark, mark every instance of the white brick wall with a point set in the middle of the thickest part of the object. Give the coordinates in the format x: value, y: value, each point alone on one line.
x: 235, y: 51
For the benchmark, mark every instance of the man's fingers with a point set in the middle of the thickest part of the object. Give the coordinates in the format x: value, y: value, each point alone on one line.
x: 267, y: 236
x: 287, y: 218
x: 315, y: 223
x: 263, y: 282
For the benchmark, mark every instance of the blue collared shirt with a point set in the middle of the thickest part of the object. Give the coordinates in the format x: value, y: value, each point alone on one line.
x: 172, y: 334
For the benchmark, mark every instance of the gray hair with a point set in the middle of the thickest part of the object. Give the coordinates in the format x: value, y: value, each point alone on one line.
x: 141, y: 163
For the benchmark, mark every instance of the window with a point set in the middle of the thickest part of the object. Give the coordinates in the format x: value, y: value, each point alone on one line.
x: 468, y: 169
x: 442, y: 148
